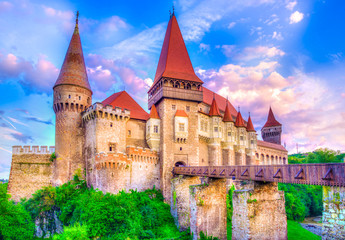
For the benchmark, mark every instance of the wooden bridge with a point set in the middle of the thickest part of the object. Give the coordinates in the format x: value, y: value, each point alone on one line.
x: 327, y: 174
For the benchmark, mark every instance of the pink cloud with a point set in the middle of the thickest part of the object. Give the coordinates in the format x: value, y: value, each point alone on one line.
x: 38, y: 76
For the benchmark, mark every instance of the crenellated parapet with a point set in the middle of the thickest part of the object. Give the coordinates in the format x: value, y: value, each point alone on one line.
x: 124, y: 160
x: 98, y: 110
x: 139, y: 154
x: 32, y: 150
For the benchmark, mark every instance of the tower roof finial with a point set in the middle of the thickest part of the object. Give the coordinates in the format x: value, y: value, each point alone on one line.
x: 173, y: 8
x: 77, y: 17
x: 239, y: 108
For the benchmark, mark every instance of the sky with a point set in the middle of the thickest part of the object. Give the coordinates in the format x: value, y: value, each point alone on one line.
x: 286, y: 54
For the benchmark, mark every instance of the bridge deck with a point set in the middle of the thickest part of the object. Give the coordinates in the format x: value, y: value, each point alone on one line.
x: 328, y: 174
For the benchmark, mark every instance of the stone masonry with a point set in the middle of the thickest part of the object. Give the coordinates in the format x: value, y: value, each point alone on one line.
x: 208, y: 208
x: 259, y: 212
x: 333, y: 217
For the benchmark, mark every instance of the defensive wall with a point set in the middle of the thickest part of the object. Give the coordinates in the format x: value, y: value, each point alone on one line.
x: 138, y: 168
x: 31, y: 169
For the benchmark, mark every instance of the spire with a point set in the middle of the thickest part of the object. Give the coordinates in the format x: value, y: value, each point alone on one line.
x: 227, y: 115
x: 73, y: 71
x: 239, y: 120
x: 154, y: 113
x: 250, y: 127
x: 271, y: 120
x: 214, y: 110
x: 174, y: 61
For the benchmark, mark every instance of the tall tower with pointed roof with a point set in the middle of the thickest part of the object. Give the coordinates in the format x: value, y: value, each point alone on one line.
x: 176, y: 93
x: 72, y: 95
x: 272, y: 130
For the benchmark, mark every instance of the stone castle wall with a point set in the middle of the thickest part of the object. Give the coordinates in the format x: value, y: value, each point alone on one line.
x: 333, y: 217
x: 137, y: 169
x: 31, y: 169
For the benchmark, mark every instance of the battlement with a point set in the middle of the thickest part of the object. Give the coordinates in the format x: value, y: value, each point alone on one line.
x: 140, y: 154
x: 112, y: 160
x: 32, y: 150
x: 97, y: 110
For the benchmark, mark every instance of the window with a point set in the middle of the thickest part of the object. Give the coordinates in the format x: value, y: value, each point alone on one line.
x: 188, y: 108
x: 229, y: 134
x: 69, y: 96
x: 129, y: 133
x: 215, y: 129
x: 251, y: 141
x: 79, y: 97
x: 112, y: 147
x: 155, y: 129
x: 241, y: 138
x: 173, y: 107
x: 181, y: 127
x: 111, y: 124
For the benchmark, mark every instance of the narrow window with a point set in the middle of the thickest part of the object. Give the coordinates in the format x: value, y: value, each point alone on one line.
x: 173, y: 107
x: 79, y: 97
x: 148, y: 129
x: 181, y: 127
x: 241, y: 138
x: 188, y: 108
x: 155, y: 129
x: 69, y: 96
x: 129, y: 133
x: 215, y: 129
x: 229, y: 134
x: 111, y: 124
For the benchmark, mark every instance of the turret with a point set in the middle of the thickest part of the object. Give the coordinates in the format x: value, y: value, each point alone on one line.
x: 251, y: 133
x: 229, y: 125
x: 272, y: 130
x: 72, y: 95
x: 153, y: 130
x: 215, y: 121
x: 241, y: 130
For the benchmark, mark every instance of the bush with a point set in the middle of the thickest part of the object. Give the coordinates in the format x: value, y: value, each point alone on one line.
x: 75, y: 232
x: 15, y: 222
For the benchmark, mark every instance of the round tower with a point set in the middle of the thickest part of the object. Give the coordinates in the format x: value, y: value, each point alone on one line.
x: 272, y: 130
x: 72, y: 95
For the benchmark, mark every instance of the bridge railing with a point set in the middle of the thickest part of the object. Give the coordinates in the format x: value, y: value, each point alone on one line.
x: 328, y: 174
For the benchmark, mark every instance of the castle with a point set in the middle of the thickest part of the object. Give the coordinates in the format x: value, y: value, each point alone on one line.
x: 117, y: 145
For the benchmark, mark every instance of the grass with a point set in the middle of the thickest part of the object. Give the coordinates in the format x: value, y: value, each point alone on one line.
x: 297, y: 232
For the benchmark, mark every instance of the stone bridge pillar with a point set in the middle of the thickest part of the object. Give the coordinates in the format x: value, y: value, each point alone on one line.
x: 333, y: 217
x: 179, y: 204
x: 258, y: 212
x: 208, y: 208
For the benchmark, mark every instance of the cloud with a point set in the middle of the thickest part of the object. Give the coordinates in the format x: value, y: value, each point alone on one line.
x: 228, y: 50
x: 22, y: 138
x: 5, y: 6
x: 204, y: 47
x: 296, y: 17
x: 291, y: 5
x: 301, y: 102
x: 277, y: 36
x: 17, y: 121
x: 259, y: 52
x: 39, y: 76
x: 231, y: 25
x: 272, y: 19
x: 35, y: 119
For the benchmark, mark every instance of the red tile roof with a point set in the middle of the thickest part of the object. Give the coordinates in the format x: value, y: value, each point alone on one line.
x: 124, y: 100
x: 174, y: 61
x: 154, y: 113
x: 214, y: 110
x: 73, y: 71
x: 227, y: 115
x: 271, y: 145
x: 239, y: 121
x: 221, y: 101
x: 250, y: 127
x: 181, y: 113
x: 271, y: 120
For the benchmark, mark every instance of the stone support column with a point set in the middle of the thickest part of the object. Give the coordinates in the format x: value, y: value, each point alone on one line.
x: 179, y: 205
x: 333, y: 217
x: 259, y: 212
x: 208, y: 209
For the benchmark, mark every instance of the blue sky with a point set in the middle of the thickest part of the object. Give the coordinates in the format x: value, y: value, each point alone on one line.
x: 286, y: 54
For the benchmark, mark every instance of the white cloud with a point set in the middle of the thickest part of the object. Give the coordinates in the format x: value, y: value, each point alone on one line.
x: 259, y: 52
x: 291, y: 5
x: 296, y: 17
x: 204, y: 47
x: 277, y: 36
x: 231, y: 25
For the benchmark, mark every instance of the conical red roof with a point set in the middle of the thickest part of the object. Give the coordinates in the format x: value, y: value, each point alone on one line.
x: 271, y: 120
x: 250, y: 127
x: 180, y: 113
x: 154, y: 113
x: 174, y: 61
x: 73, y: 71
x: 239, y: 120
x: 214, y: 110
x: 227, y: 115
